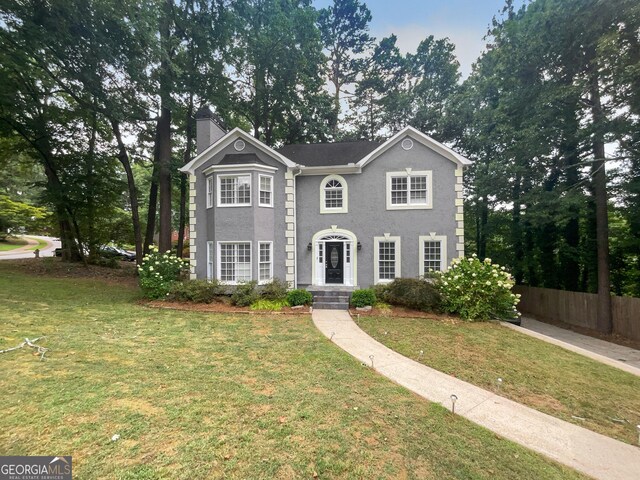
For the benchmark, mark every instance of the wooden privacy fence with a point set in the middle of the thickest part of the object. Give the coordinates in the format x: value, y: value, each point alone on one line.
x: 580, y: 309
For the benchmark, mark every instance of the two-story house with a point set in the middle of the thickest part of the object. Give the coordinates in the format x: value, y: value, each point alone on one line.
x: 348, y: 214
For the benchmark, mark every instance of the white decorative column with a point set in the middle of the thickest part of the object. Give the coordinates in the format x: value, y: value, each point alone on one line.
x: 192, y: 227
x: 290, y: 228
x: 459, y: 212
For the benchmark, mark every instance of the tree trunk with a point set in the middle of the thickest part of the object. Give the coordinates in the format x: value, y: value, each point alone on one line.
x: 605, y: 321
x: 123, y: 156
x: 183, y: 178
x: 164, y: 179
x: 153, y: 199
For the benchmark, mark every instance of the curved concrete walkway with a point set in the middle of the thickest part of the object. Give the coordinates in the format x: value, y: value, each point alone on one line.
x: 586, y: 451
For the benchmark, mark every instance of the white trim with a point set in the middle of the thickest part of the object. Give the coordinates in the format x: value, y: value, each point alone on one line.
x: 410, y: 206
x: 227, y: 140
x: 345, y: 195
x: 425, y: 140
x: 240, y: 168
x: 376, y: 258
x: 350, y: 271
x: 219, y: 261
x: 210, y: 254
x: 262, y: 282
x: 239, y: 145
x: 271, y: 191
x: 209, y: 181
x: 443, y: 251
x: 335, y: 169
x: 225, y: 205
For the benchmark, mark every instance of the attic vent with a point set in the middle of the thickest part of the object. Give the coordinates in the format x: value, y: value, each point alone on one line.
x: 239, y: 145
x: 407, y: 144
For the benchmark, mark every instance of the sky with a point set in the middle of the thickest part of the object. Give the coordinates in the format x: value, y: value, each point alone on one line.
x: 465, y: 22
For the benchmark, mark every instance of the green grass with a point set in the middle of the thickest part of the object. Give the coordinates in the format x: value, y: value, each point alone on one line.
x: 543, y: 376
x: 197, y: 395
x: 11, y: 243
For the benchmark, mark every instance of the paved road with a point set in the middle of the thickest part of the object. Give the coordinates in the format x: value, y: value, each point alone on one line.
x: 24, y: 252
x: 598, y: 456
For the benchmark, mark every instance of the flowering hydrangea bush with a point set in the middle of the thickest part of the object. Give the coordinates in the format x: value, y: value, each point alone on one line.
x: 478, y: 290
x: 158, y: 272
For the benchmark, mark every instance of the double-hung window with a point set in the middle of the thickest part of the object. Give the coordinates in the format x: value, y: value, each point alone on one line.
x: 210, y: 191
x: 409, y: 190
x: 433, y: 253
x: 386, y: 258
x: 265, y: 268
x: 234, y: 190
x: 266, y: 190
x: 234, y: 262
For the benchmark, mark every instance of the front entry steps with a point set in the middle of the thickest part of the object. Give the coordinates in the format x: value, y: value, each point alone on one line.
x: 331, y: 298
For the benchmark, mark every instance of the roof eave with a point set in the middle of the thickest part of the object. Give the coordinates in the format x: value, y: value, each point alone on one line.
x: 330, y: 169
x: 226, y: 140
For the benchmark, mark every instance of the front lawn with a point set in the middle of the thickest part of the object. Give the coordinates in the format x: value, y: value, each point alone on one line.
x: 543, y: 376
x: 11, y: 243
x: 195, y: 395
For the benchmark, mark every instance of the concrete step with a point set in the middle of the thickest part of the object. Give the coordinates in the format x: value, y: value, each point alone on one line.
x: 331, y: 298
x: 331, y: 305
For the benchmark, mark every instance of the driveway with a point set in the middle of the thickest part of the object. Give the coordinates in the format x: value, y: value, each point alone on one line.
x: 619, y: 356
x: 25, y: 252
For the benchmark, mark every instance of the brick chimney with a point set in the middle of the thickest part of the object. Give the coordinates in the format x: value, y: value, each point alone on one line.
x: 209, y: 129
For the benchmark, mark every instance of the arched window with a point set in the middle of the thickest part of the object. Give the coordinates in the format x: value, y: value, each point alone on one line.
x: 333, y: 195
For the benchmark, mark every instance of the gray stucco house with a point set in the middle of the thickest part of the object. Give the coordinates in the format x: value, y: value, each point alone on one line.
x: 349, y: 214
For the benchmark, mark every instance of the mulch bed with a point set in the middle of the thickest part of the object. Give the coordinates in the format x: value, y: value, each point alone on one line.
x: 55, y: 267
x: 403, y: 312
x: 221, y: 307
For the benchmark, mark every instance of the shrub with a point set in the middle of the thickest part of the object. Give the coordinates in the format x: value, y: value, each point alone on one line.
x: 197, y: 291
x: 272, y: 305
x: 107, y: 262
x: 415, y: 293
x: 363, y: 298
x: 158, y: 272
x: 478, y: 290
x: 299, y: 297
x: 276, y: 289
x: 244, y: 294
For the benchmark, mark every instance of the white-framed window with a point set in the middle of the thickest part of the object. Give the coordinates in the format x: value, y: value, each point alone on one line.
x: 334, y: 195
x: 409, y: 190
x: 209, y: 260
x: 234, y: 262
x: 387, y: 258
x: 265, y: 190
x: 210, y: 191
x: 265, y: 262
x: 433, y: 253
x: 234, y: 190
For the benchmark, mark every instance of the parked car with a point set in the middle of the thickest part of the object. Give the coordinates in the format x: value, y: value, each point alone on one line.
x: 117, y: 252
x: 109, y: 252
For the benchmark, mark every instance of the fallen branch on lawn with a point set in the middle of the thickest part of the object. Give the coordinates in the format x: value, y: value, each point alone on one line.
x: 30, y: 343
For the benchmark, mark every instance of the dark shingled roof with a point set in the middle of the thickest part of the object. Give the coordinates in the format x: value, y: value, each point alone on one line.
x: 240, y: 159
x: 328, y: 154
